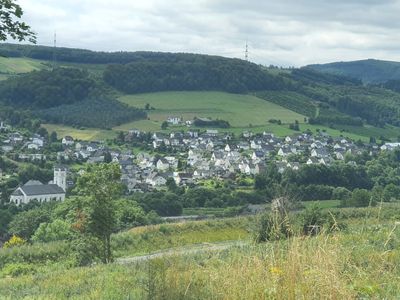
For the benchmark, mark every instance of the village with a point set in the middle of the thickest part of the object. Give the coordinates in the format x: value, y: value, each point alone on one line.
x: 147, y: 160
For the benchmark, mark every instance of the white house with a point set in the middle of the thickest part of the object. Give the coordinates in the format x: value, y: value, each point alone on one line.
x: 174, y: 120
x: 67, y: 141
x: 162, y: 164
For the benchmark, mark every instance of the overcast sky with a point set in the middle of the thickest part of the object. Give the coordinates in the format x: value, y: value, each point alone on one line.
x: 279, y: 32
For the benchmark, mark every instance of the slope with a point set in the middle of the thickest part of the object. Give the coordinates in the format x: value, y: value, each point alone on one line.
x: 369, y: 70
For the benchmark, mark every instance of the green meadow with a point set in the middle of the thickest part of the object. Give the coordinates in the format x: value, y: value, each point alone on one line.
x: 87, y: 134
x: 238, y: 110
x: 19, y: 65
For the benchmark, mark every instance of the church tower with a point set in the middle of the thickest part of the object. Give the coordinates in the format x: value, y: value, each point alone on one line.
x: 60, y: 177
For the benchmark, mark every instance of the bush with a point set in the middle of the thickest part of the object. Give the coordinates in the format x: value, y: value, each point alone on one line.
x: 341, y: 193
x: 54, y: 231
x: 273, y: 226
x: 18, y: 269
x: 359, y: 198
x: 14, y: 241
x: 312, y: 220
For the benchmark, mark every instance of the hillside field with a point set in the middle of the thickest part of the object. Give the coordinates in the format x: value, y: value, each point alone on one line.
x: 238, y: 110
x: 20, y: 65
x: 91, y: 134
x: 243, y: 112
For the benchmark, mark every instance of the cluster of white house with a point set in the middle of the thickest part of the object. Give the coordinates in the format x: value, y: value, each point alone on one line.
x: 35, y: 190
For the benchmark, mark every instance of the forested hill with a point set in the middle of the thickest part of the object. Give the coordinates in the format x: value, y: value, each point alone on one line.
x: 68, y: 96
x: 198, y: 73
x: 83, y: 78
x: 369, y: 70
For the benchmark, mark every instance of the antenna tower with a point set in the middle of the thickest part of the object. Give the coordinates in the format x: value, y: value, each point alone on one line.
x: 246, y: 52
x: 54, y: 50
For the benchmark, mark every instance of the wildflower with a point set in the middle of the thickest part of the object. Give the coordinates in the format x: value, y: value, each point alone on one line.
x: 276, y: 271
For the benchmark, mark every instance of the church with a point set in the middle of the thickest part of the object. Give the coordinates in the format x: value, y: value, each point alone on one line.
x: 35, y: 190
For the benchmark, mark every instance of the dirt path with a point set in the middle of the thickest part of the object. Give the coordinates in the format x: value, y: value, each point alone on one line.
x: 180, y: 251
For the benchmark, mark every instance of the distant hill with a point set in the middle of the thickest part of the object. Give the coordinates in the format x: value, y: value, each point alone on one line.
x: 332, y: 95
x: 368, y: 71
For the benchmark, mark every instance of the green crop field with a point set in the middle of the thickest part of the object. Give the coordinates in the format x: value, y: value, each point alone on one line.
x: 19, y: 65
x: 84, y: 134
x: 244, y: 112
x: 238, y: 110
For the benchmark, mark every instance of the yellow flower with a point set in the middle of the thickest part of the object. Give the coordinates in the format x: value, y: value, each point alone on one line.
x: 14, y: 241
x: 276, y: 271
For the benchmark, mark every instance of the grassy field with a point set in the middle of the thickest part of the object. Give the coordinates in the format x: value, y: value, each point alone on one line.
x: 91, y: 134
x: 19, y: 65
x: 323, y: 204
x: 238, y: 110
x: 360, y: 262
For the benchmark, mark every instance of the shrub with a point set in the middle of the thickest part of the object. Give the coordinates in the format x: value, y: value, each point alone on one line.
x: 18, y: 269
x: 54, y: 231
x: 273, y: 226
x: 14, y: 241
x: 312, y: 220
x: 359, y: 198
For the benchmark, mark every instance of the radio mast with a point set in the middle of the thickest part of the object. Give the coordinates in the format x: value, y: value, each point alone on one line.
x: 54, y: 50
x: 246, y: 52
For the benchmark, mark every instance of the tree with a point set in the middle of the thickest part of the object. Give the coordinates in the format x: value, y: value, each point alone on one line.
x: 102, y: 186
x: 171, y: 184
x: 107, y: 157
x: 164, y: 125
x: 53, y: 137
x: 359, y: 198
x: 25, y: 223
x: 55, y: 231
x: 10, y: 26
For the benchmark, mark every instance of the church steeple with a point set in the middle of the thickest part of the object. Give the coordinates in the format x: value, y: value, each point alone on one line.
x: 60, y: 177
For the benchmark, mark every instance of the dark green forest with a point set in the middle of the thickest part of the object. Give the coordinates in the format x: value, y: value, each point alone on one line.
x: 63, y: 96
x: 198, y: 73
x: 96, y: 113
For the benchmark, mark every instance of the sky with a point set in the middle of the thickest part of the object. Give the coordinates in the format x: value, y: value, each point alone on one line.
x: 278, y: 32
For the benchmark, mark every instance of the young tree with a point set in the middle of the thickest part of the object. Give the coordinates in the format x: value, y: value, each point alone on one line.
x: 10, y: 26
x: 53, y: 137
x: 102, y: 186
x: 164, y: 125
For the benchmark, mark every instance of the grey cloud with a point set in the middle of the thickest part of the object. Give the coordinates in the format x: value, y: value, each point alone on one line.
x: 285, y: 32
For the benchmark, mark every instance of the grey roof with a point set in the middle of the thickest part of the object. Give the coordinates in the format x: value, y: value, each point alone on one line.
x: 33, y: 182
x: 43, y: 189
x: 17, y: 192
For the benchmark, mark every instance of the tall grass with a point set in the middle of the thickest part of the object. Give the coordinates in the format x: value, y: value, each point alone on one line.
x: 362, y: 262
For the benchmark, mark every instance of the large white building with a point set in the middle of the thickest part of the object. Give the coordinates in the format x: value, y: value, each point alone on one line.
x: 35, y: 190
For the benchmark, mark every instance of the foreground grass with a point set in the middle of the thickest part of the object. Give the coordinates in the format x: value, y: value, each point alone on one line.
x: 361, y: 262
x: 147, y: 239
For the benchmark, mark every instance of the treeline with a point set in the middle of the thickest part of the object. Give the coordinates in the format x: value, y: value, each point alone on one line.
x: 306, y: 75
x: 340, y: 120
x: 378, y: 175
x: 172, y: 203
x: 72, y: 55
x: 97, y: 113
x: 393, y: 85
x: 200, y: 72
x: 211, y: 123
x: 44, y: 89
